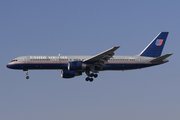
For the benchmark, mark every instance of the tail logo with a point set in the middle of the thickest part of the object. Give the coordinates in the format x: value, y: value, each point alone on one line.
x: 159, y: 42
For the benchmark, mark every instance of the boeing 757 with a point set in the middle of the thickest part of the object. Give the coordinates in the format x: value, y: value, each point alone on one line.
x: 72, y: 66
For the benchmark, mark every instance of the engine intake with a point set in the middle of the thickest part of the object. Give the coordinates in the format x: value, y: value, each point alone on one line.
x: 76, y: 65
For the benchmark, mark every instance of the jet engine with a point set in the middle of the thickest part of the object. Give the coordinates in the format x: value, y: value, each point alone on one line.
x: 69, y: 74
x: 76, y: 65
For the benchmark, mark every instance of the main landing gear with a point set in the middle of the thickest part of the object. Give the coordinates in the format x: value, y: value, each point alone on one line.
x: 89, y: 78
x: 27, y: 77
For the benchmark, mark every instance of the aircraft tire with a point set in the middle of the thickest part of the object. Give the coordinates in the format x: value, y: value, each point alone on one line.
x: 27, y: 77
x: 95, y: 75
x: 91, y: 79
x: 91, y: 75
x: 87, y: 79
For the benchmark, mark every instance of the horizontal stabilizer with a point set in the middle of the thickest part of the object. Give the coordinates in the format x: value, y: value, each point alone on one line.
x: 161, y: 58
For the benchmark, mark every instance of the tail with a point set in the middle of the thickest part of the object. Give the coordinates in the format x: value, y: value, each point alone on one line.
x: 154, y: 49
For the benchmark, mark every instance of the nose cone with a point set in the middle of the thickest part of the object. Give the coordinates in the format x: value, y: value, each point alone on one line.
x: 8, y: 65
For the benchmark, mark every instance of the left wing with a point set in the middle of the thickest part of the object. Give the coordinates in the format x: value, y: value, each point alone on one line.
x: 100, y: 58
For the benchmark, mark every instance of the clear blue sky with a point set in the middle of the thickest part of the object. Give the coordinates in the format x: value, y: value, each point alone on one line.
x: 81, y: 27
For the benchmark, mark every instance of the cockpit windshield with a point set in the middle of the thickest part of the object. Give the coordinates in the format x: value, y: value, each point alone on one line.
x: 14, y: 60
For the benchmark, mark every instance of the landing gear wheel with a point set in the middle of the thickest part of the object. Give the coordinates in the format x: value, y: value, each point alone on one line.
x: 95, y: 75
x: 27, y: 77
x: 90, y: 79
x: 91, y: 75
x: 87, y: 79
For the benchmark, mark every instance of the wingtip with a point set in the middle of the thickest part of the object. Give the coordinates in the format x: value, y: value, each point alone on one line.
x: 170, y: 54
x: 116, y: 46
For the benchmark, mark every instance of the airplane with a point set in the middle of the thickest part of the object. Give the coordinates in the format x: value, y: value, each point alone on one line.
x: 72, y: 66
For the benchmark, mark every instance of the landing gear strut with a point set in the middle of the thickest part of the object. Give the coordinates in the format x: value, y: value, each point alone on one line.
x: 27, y: 77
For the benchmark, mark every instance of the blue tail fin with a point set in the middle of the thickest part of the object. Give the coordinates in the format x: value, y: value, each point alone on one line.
x: 154, y: 49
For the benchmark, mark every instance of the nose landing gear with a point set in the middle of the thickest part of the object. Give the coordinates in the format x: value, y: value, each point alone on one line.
x: 27, y: 77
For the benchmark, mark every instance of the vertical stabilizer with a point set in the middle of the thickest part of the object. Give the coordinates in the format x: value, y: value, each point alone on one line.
x: 154, y: 49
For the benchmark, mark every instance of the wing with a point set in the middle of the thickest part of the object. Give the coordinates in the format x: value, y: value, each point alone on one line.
x: 100, y: 58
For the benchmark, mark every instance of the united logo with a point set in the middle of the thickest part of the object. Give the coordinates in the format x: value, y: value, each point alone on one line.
x: 159, y: 42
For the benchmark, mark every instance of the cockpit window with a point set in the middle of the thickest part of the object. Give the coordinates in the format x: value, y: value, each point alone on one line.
x: 13, y: 60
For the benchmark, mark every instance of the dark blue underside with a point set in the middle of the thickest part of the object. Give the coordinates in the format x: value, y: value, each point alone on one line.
x: 64, y: 66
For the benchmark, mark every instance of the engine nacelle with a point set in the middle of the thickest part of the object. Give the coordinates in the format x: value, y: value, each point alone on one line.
x: 69, y: 74
x: 76, y: 65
